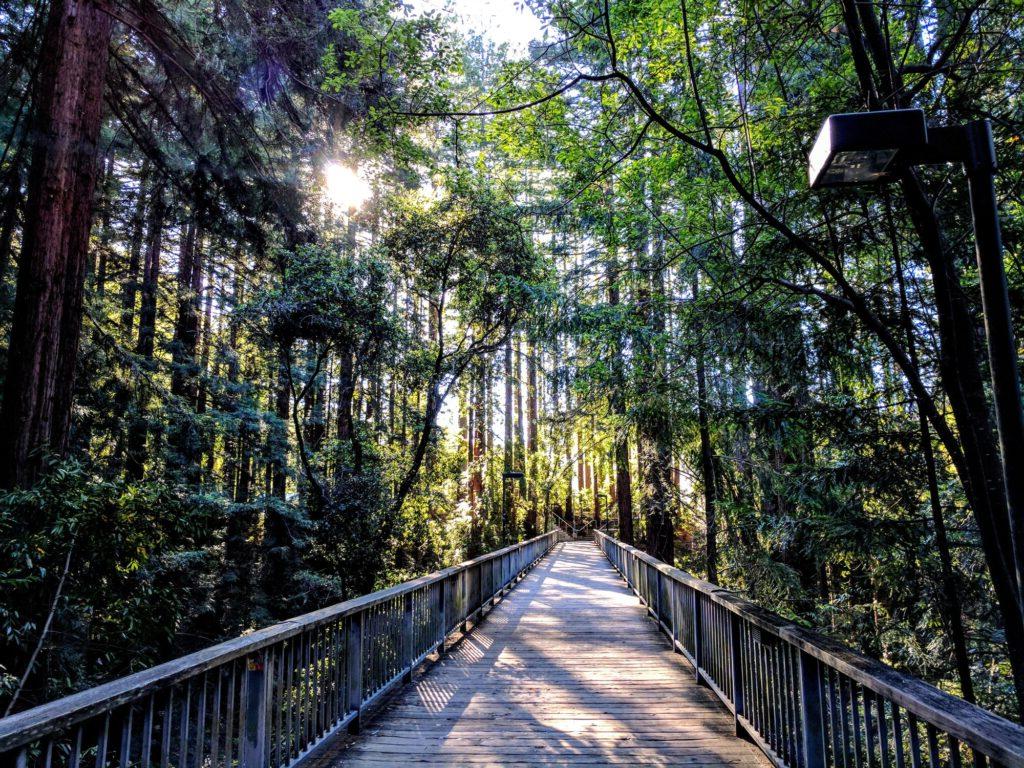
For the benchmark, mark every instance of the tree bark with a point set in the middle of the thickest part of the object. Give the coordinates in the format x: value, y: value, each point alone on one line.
x: 707, y: 454
x: 36, y: 413
x: 135, y: 451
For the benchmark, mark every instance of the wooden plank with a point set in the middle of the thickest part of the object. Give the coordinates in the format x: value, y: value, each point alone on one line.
x: 565, y: 670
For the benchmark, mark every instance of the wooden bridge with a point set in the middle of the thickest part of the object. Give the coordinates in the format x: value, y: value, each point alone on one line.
x: 538, y: 654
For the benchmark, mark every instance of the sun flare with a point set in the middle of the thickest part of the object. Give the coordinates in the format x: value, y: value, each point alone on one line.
x: 345, y: 188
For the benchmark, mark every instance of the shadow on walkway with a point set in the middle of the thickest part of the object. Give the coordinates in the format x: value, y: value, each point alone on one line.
x: 566, y: 670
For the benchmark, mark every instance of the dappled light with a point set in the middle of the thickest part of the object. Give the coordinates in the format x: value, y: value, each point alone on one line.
x: 322, y: 323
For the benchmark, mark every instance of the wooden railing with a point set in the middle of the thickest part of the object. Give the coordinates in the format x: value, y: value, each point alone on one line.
x: 806, y: 700
x: 269, y: 698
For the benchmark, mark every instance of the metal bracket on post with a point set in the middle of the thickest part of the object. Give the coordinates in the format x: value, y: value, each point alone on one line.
x: 813, y: 725
x: 254, y: 735
x: 354, y: 669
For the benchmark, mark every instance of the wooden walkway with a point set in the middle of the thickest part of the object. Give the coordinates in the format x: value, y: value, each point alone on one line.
x: 566, y: 670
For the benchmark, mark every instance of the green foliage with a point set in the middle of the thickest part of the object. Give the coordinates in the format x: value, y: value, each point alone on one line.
x: 129, y: 543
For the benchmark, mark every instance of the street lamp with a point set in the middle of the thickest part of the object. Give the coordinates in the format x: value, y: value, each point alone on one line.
x: 873, y: 147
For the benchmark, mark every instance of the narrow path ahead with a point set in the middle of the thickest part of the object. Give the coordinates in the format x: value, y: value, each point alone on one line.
x: 565, y: 671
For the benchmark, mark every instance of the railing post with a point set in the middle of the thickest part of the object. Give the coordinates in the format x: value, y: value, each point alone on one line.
x: 657, y: 595
x: 254, y: 737
x: 407, y: 636
x: 813, y: 736
x: 464, y: 581
x: 442, y: 613
x: 698, y: 641
x: 354, y: 670
x: 736, y: 657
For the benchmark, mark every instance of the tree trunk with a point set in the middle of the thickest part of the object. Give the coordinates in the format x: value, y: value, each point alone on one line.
x: 707, y: 454
x: 130, y: 287
x: 531, y: 436
x: 507, y: 522
x: 135, y: 451
x: 623, y: 480
x: 36, y: 413
x: 185, y: 444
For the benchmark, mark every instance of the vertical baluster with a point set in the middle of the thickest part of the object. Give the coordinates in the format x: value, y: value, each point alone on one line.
x: 849, y: 741
x: 835, y: 725
x: 933, y: 746
x: 736, y: 662
x: 337, y: 661
x: 698, y: 640
x: 776, y: 687
x: 954, y: 752
x: 215, y: 722
x: 312, y: 700
x: 321, y: 699
x: 125, y: 754
x: 75, y: 756
x: 277, y: 736
x: 200, y: 723
x: 288, y: 734
x: 796, y: 717
x: 915, y: 741
x: 305, y: 691
x: 897, y: 737
x: 463, y: 598
x: 762, y: 696
x: 184, y: 718
x: 229, y: 717
x: 407, y: 637
x: 883, y: 732
x: 855, y: 710
x: 102, y: 742
x: 354, y: 669
x: 869, y: 735
x: 147, y: 734
x: 442, y: 613
x: 166, y: 724
x: 752, y: 686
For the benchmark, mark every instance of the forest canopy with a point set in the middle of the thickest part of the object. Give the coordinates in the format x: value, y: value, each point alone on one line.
x: 302, y: 299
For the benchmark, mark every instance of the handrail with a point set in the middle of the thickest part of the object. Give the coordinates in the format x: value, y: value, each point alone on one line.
x: 805, y: 699
x: 266, y: 699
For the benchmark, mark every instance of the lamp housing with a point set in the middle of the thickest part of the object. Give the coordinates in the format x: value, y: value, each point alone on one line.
x: 863, y: 147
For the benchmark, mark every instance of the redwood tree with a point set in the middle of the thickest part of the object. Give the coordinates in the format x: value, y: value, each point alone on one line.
x: 36, y: 413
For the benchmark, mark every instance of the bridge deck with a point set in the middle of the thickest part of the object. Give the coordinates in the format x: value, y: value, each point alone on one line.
x: 565, y: 670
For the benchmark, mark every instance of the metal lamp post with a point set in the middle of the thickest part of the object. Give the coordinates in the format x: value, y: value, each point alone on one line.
x: 873, y: 147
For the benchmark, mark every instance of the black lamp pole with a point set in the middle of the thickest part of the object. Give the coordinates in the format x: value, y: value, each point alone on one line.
x: 872, y: 147
x: 980, y: 164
